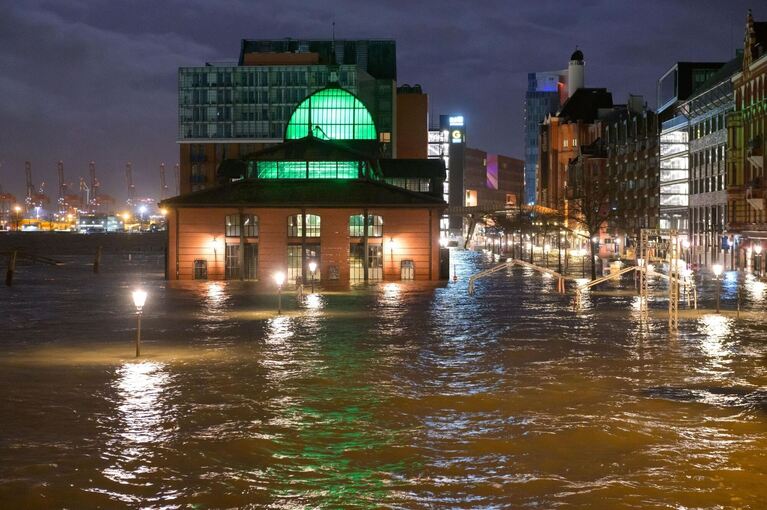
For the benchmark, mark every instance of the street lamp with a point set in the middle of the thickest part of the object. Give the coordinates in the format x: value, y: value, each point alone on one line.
x: 312, y: 269
x: 279, y: 279
x: 17, y: 210
x: 758, y: 251
x: 717, y: 268
x: 139, y: 298
x: 686, y: 246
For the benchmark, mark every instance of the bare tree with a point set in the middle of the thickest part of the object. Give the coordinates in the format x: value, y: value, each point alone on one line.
x: 589, y: 193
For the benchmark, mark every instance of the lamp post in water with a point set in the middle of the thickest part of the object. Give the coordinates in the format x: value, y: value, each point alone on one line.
x: 279, y: 279
x: 139, y: 298
x: 717, y: 268
x: 312, y: 270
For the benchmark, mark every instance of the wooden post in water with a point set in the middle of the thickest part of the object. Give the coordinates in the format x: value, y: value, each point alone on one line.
x: 11, y: 268
x: 97, y: 260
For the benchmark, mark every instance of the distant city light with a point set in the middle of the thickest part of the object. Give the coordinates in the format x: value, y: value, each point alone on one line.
x: 456, y: 120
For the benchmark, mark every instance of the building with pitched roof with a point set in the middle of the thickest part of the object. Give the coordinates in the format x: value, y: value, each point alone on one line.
x: 328, y: 195
x: 746, y: 129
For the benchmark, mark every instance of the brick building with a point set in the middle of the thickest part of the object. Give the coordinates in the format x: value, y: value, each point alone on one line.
x: 325, y: 195
x: 746, y: 134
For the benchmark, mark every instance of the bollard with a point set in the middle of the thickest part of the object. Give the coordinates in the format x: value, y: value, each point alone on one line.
x: 738, y: 314
x: 11, y: 268
x: 97, y: 260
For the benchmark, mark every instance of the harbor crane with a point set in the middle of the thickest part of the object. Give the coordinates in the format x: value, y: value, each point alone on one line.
x: 131, y: 186
x: 163, y: 183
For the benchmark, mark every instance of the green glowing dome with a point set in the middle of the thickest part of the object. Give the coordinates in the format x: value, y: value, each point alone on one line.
x: 331, y: 114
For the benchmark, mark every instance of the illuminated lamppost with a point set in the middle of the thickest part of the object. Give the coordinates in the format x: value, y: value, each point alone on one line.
x: 312, y: 270
x: 139, y: 298
x: 595, y: 252
x: 17, y: 210
x: 546, y: 248
x: 717, y: 268
x: 686, y: 246
x: 758, y: 257
x: 391, y: 244
x: 279, y: 279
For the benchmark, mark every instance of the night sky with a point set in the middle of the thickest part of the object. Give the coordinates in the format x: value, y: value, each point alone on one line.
x: 84, y: 80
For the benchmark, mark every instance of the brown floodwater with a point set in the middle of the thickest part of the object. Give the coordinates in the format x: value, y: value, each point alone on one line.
x: 388, y: 396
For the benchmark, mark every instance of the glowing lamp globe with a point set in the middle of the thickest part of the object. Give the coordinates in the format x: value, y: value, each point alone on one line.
x: 279, y: 278
x: 717, y: 268
x: 312, y: 266
x: 139, y: 298
x: 758, y: 248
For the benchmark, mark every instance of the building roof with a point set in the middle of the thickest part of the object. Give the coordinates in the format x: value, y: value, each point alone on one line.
x: 723, y: 74
x: 305, y: 193
x: 311, y: 148
x: 413, y: 168
x: 376, y: 56
x: 585, y: 104
x: 760, y: 38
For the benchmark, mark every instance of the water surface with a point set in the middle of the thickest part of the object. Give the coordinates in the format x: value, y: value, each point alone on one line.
x: 390, y: 396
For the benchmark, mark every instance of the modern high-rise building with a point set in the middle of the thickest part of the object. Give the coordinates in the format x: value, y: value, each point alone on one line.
x: 546, y: 93
x: 474, y: 178
x: 447, y: 141
x: 707, y: 109
x: 231, y: 109
x: 674, y: 88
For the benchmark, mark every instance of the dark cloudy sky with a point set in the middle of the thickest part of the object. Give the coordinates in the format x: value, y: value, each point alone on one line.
x: 82, y: 80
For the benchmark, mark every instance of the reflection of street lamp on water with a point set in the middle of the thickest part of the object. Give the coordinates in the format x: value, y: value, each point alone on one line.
x: 139, y: 298
x: 312, y: 270
x: 717, y: 268
x: 279, y: 279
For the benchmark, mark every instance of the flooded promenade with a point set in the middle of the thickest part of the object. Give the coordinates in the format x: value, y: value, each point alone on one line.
x: 388, y: 396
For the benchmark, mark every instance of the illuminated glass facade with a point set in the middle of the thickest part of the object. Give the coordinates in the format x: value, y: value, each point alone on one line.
x: 674, y: 174
x: 331, y: 114
x: 542, y: 98
x: 230, y: 109
x: 307, y: 169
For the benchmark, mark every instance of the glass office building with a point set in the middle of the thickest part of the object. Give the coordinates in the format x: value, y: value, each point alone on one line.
x: 543, y: 97
x: 230, y: 109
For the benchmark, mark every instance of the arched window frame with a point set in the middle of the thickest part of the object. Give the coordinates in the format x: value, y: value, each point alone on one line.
x: 357, y: 225
x: 313, y: 225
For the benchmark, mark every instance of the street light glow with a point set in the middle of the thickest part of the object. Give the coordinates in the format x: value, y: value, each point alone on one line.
x: 279, y: 278
x: 139, y: 298
x: 717, y: 269
x: 758, y: 248
x: 312, y: 266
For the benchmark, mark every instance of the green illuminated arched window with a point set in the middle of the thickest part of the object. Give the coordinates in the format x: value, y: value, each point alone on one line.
x: 331, y: 114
